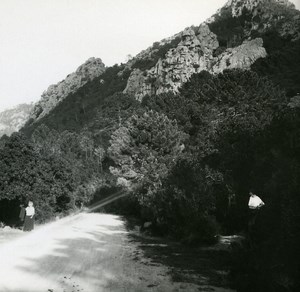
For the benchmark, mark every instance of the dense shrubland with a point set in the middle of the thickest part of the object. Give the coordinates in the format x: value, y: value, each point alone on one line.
x: 243, y: 136
x: 189, y: 160
x: 282, y: 64
x: 269, y: 259
x: 230, y: 30
x: 80, y: 108
x: 57, y: 171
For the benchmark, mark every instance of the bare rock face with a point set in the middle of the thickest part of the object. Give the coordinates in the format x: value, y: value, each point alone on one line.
x: 91, y: 69
x: 193, y: 55
x: 12, y: 120
x: 208, y: 40
x: 241, y: 57
x: 136, y: 84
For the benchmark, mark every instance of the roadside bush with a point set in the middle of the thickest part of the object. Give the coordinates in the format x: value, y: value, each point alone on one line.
x: 185, y: 204
x: 269, y: 260
x: 143, y: 150
x: 26, y: 175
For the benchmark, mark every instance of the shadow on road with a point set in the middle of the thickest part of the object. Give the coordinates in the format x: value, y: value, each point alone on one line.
x: 96, y: 252
x: 79, y: 257
x: 206, y: 267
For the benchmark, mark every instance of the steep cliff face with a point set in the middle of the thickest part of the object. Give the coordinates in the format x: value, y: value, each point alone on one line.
x: 91, y: 69
x: 12, y: 120
x: 232, y: 38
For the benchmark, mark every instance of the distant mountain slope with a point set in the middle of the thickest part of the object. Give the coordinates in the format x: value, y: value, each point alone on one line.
x: 91, y: 69
x: 232, y: 38
x: 12, y: 120
x: 249, y: 35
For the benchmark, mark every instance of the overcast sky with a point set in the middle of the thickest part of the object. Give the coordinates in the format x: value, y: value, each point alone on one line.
x: 41, y: 41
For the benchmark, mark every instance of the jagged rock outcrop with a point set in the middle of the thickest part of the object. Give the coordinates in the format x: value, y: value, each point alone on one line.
x: 136, y: 84
x: 12, y: 120
x: 208, y: 40
x: 193, y: 54
x: 241, y: 57
x: 199, y: 48
x: 91, y: 69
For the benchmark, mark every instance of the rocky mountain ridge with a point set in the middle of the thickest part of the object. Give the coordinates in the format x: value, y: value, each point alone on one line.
x: 193, y: 54
x: 55, y: 93
x: 231, y: 38
x: 12, y: 120
x: 264, y: 15
x: 206, y: 48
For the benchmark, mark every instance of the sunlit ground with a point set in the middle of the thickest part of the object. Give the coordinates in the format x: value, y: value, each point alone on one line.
x: 60, y: 254
x: 88, y: 252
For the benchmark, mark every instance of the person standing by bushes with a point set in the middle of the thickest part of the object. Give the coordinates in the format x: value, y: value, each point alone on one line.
x: 254, y: 204
x: 22, y: 213
x: 29, y: 218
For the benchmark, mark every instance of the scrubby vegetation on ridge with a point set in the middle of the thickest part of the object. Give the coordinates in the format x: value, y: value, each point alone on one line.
x: 282, y: 65
x: 157, y: 51
x: 188, y: 159
x: 78, y: 109
x: 219, y: 137
x: 230, y: 30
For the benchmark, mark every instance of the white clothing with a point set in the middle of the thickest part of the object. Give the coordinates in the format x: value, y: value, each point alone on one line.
x: 255, y: 202
x: 30, y: 211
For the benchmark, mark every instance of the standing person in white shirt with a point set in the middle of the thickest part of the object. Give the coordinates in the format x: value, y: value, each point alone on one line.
x: 255, y: 203
x: 29, y: 218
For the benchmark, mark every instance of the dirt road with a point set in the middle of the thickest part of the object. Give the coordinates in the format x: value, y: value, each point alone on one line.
x: 86, y: 252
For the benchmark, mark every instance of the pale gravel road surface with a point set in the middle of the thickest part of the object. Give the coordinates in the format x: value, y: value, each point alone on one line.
x: 88, y: 252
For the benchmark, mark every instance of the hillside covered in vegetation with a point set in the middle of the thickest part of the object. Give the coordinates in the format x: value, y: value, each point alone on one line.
x: 188, y: 146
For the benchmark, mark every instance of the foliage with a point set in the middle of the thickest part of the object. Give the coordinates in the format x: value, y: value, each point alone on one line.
x: 157, y: 51
x: 273, y: 249
x: 251, y: 137
x: 57, y: 171
x: 79, y: 151
x: 27, y: 175
x: 189, y: 158
x: 235, y: 105
x: 281, y: 65
x: 176, y: 107
x: 229, y: 29
x: 185, y: 204
x: 110, y: 115
x: 144, y: 150
x: 80, y: 108
x: 233, y: 98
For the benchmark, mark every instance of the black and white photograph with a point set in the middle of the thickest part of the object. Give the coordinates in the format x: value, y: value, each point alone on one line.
x: 149, y: 145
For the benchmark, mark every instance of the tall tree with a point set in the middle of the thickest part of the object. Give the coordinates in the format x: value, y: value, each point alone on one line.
x: 144, y: 150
